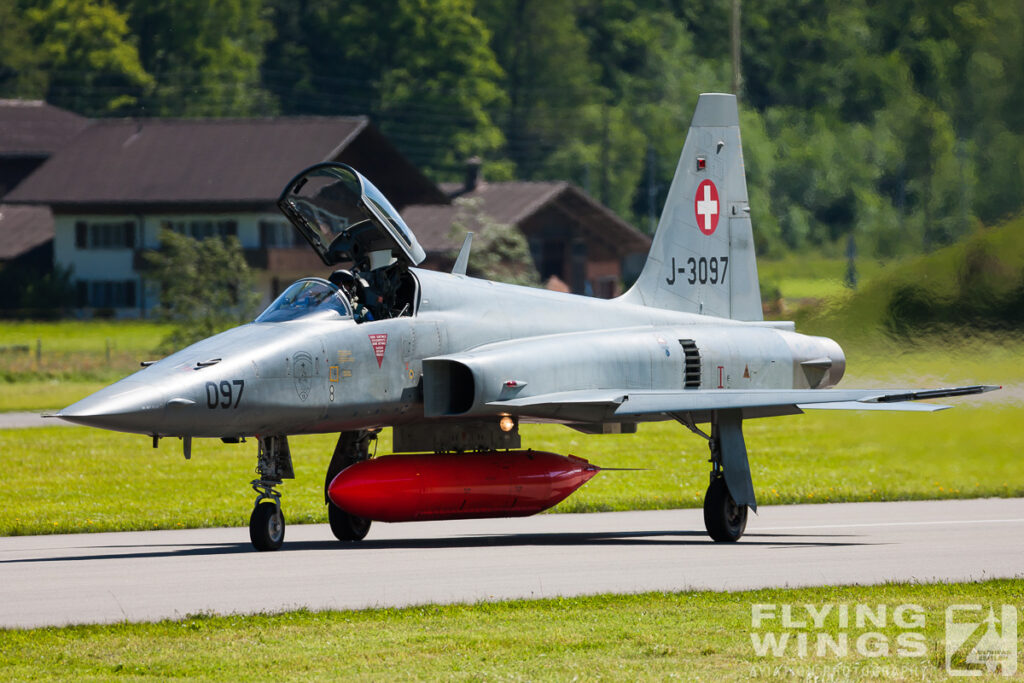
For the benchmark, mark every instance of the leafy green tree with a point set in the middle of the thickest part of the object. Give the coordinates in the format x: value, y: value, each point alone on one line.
x: 994, y: 106
x: 88, y: 56
x: 548, y: 76
x: 205, y: 287
x: 499, y: 251
x: 205, y: 56
x: 422, y: 69
x: 625, y: 139
x: 443, y: 82
x: 21, y: 73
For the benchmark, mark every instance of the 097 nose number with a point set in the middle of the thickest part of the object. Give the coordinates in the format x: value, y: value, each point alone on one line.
x: 224, y: 394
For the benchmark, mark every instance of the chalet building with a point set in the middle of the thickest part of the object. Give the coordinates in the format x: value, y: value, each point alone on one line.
x: 573, y: 239
x: 104, y: 189
x: 30, y: 132
x: 119, y: 182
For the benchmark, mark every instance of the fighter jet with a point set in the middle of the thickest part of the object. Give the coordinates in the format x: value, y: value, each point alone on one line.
x: 453, y: 364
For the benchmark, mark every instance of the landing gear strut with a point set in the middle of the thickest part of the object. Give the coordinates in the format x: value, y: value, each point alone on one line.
x: 266, y: 524
x: 730, y: 492
x: 352, y: 447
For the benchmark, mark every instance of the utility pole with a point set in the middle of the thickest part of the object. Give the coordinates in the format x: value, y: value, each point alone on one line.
x: 652, y: 191
x: 737, y: 74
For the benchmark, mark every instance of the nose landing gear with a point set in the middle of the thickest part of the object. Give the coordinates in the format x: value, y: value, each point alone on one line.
x: 266, y: 524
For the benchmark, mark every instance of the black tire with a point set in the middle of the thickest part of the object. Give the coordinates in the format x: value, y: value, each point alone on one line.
x: 346, y: 527
x: 723, y: 518
x: 266, y: 527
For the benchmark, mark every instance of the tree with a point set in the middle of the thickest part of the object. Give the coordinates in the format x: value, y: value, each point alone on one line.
x: 21, y: 73
x: 205, y: 287
x: 422, y: 69
x: 205, y: 56
x: 548, y: 75
x: 499, y: 251
x: 88, y: 55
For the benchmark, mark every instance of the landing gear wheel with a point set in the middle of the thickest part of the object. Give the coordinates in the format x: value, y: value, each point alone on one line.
x: 346, y: 527
x: 723, y: 518
x: 266, y: 527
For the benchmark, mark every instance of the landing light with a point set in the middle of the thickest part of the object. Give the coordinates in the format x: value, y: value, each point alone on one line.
x: 507, y: 424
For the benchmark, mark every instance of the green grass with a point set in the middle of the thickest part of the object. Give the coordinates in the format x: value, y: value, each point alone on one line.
x: 803, y: 277
x: 46, y: 394
x: 653, y: 636
x: 81, y: 355
x: 71, y: 479
x: 976, y: 283
x: 79, y: 335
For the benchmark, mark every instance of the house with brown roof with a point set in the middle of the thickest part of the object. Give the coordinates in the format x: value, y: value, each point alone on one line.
x: 119, y: 182
x: 30, y: 132
x: 109, y: 187
x: 572, y: 237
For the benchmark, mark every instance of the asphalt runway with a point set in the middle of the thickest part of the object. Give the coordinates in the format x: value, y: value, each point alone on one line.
x: 151, y: 575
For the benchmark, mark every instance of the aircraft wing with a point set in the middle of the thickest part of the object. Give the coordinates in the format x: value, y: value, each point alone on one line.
x: 607, y: 404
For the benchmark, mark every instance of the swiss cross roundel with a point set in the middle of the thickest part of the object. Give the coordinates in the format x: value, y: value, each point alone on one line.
x: 705, y: 207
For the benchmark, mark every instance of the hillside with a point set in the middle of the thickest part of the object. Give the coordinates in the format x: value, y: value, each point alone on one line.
x: 975, y: 286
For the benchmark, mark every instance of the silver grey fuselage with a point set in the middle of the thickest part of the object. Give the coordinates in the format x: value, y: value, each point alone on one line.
x: 331, y: 375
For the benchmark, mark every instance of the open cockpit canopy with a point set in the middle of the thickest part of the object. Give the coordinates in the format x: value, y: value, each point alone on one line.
x: 345, y: 218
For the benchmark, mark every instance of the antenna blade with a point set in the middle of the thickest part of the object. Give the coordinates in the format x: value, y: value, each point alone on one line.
x: 463, y: 259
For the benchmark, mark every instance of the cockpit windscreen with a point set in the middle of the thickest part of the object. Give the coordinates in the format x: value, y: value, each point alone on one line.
x: 308, y: 298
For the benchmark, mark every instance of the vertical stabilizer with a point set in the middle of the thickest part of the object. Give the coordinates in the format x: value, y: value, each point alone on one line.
x: 702, y: 259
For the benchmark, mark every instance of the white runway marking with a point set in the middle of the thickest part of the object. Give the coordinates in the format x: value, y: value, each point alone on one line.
x: 944, y: 522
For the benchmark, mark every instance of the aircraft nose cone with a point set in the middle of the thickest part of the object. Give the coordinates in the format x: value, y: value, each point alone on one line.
x: 126, y: 406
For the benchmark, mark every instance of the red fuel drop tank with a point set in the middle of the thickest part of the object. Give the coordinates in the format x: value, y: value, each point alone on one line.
x: 419, y: 487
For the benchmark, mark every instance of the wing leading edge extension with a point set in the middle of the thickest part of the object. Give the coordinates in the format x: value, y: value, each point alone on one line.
x: 608, y: 404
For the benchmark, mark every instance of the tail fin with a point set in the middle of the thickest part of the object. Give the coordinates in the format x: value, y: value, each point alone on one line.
x: 702, y: 259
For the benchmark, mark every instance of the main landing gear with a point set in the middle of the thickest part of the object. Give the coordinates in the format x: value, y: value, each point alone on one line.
x: 724, y: 520
x: 730, y: 492
x: 352, y: 447
x: 266, y: 524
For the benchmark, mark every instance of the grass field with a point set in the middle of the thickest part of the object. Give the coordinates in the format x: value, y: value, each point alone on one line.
x: 46, y: 365
x: 77, y: 335
x: 70, y: 479
x: 47, y: 394
x: 654, y: 636
x: 800, y: 278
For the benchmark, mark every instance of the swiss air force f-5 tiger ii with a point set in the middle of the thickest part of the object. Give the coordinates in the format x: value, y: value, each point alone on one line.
x: 454, y: 363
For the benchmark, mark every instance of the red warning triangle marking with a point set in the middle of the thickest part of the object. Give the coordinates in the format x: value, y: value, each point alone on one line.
x: 380, y: 344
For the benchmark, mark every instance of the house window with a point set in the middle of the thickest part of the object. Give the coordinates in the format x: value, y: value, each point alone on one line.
x: 105, y: 235
x: 106, y: 293
x: 201, y: 229
x: 277, y: 234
